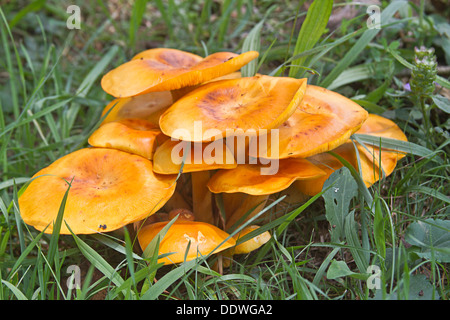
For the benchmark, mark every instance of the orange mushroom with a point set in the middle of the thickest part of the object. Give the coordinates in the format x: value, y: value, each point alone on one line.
x: 169, y: 69
x: 247, y: 179
x: 369, y: 158
x: 232, y: 107
x: 135, y: 136
x: 201, y: 238
x: 108, y: 190
x: 322, y: 121
x: 199, y: 159
x: 173, y: 154
x: 245, y: 247
x: 148, y: 106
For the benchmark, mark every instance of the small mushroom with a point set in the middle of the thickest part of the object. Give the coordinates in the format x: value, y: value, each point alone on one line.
x: 251, y: 244
x: 201, y: 238
x: 170, y: 69
x: 246, y: 246
x: 108, y: 188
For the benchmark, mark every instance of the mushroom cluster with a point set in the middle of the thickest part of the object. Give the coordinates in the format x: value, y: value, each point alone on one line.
x: 184, y: 131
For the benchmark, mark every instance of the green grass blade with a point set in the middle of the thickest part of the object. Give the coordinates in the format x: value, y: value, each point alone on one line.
x: 311, y: 31
x: 136, y: 18
x: 361, y: 44
x: 252, y: 43
x: 97, y: 260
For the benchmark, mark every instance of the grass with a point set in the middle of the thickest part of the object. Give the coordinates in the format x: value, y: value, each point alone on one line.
x: 51, y: 100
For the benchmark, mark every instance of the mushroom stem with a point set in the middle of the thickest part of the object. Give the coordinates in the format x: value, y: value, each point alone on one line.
x: 202, y: 197
x: 177, y: 201
x: 250, y: 207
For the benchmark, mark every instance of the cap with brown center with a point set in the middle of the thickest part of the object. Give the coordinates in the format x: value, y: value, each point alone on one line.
x: 240, y: 106
x: 369, y: 158
x: 135, y: 136
x: 169, y: 69
x: 201, y: 238
x: 109, y: 189
x: 322, y: 121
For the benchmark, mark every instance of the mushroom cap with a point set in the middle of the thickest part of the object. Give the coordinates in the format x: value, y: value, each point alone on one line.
x: 322, y: 121
x: 135, y: 136
x: 170, y: 69
x: 251, y: 244
x: 204, y: 239
x: 109, y: 188
x: 247, y: 104
x: 247, y: 178
x: 148, y: 106
x: 200, y: 157
x: 375, y: 125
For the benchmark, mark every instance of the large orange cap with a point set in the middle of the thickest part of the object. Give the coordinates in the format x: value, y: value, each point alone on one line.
x: 369, y: 158
x: 109, y: 189
x: 135, y: 136
x: 323, y: 120
x: 199, y: 157
x: 170, y: 69
x: 240, y: 106
x: 148, y: 106
x: 247, y: 178
x: 202, y: 238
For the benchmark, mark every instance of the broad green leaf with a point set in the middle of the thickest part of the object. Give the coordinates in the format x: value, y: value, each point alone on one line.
x: 352, y: 236
x: 431, y: 237
x: 441, y: 102
x: 339, y: 269
x: 337, y: 201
